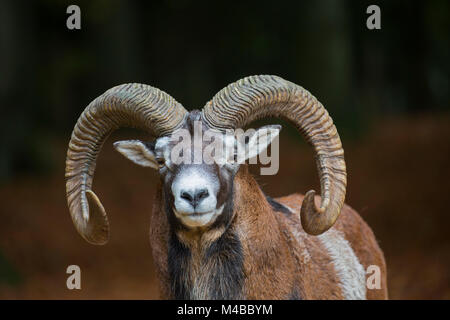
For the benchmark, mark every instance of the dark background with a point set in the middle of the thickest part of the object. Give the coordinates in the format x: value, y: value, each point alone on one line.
x: 387, y: 91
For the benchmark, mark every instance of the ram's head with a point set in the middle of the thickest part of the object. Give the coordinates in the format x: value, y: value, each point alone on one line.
x: 197, y: 193
x: 197, y: 166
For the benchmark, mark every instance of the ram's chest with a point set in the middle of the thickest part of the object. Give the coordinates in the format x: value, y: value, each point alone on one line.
x: 214, y: 272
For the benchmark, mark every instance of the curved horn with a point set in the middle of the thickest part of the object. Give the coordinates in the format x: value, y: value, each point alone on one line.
x: 130, y: 105
x: 257, y: 97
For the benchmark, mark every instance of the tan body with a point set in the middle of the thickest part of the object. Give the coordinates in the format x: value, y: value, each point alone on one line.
x: 280, y: 258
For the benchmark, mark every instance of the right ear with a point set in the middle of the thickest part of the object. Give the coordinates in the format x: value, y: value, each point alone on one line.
x: 139, y: 152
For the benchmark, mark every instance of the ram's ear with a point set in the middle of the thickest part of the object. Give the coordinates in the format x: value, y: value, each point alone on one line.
x: 139, y: 152
x: 259, y: 140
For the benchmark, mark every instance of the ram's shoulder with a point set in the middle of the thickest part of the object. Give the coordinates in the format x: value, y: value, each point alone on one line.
x: 350, y: 223
x: 293, y: 201
x: 348, y: 219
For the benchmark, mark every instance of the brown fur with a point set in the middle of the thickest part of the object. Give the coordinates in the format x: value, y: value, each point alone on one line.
x: 276, y: 265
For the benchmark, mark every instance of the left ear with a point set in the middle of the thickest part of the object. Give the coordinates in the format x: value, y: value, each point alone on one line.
x: 138, y: 152
x: 260, y: 140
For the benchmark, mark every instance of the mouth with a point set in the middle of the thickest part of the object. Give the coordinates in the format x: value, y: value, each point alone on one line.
x: 198, y: 219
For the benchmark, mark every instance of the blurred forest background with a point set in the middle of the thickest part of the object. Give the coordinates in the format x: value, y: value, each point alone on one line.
x: 387, y: 91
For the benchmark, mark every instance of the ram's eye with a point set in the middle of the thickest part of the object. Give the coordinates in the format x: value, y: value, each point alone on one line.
x: 160, y: 161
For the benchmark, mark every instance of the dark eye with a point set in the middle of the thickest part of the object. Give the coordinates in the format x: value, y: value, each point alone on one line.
x: 160, y: 161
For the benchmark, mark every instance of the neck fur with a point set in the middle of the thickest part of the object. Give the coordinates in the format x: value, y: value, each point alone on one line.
x: 211, y: 264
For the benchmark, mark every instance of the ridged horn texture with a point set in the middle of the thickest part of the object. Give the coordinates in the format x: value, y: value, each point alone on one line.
x: 263, y: 96
x: 130, y: 105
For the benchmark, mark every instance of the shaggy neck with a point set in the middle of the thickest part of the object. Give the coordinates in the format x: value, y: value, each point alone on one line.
x: 211, y: 264
x: 213, y: 271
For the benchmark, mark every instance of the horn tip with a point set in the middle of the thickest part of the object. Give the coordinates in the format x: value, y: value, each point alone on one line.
x: 97, y: 227
x: 312, y: 217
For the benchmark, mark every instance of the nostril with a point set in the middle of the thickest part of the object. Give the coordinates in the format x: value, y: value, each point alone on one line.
x: 201, y: 194
x: 194, y: 198
x: 187, y: 196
